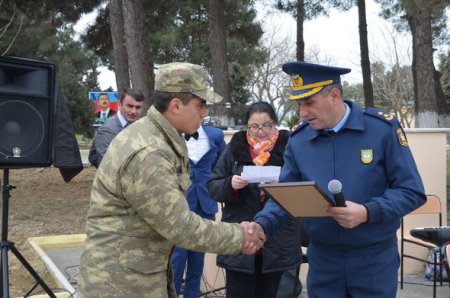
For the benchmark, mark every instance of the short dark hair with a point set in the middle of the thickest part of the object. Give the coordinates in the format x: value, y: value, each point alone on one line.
x: 261, y: 107
x: 162, y: 99
x: 103, y: 93
x: 136, y: 94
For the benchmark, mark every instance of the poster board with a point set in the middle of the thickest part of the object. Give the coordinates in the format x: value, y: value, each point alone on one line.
x: 104, y: 106
x: 299, y: 199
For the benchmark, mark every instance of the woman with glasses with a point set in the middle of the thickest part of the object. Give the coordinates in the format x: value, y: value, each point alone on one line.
x: 262, y: 144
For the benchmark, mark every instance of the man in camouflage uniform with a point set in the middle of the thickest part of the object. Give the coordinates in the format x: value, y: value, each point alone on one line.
x: 138, y: 209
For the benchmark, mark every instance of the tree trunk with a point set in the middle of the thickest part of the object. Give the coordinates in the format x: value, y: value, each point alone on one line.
x: 300, y: 53
x: 365, y: 61
x: 140, y: 60
x: 425, y: 96
x: 118, y: 40
x: 443, y: 107
x: 219, y: 60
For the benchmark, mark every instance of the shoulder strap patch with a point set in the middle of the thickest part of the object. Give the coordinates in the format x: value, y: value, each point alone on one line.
x: 382, y: 115
x: 299, y: 127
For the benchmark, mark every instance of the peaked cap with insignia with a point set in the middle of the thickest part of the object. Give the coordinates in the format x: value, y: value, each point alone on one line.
x: 309, y: 79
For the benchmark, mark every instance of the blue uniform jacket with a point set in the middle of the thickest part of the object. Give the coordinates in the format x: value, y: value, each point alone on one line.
x: 201, y: 172
x: 371, y: 158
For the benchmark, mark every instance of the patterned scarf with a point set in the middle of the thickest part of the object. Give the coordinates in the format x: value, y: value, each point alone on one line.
x: 261, y: 149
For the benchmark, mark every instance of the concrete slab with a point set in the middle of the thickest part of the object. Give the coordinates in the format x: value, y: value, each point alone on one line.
x: 85, y: 157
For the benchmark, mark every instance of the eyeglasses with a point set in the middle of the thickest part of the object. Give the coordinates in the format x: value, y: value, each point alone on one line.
x: 265, y: 127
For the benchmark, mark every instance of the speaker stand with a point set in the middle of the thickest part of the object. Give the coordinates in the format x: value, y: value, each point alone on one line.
x: 7, y: 245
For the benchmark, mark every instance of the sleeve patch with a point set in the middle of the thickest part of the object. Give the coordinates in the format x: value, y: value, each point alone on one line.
x: 402, y: 137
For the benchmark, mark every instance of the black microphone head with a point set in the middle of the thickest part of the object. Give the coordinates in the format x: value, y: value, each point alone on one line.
x: 335, y: 186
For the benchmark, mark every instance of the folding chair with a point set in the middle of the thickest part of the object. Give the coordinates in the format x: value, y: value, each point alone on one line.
x: 431, y: 207
x: 446, y: 252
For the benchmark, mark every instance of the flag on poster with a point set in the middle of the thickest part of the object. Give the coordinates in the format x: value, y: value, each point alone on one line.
x: 105, y: 106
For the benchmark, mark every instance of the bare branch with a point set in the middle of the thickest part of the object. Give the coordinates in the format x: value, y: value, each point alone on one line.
x: 11, y: 19
x: 271, y: 84
x: 18, y: 30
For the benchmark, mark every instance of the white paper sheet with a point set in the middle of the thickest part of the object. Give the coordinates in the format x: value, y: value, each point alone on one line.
x: 254, y: 174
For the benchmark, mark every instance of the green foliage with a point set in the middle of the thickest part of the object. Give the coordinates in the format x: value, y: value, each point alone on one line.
x: 354, y: 92
x: 27, y: 37
x: 178, y: 31
x: 98, y: 38
x: 240, y: 94
x: 395, y: 11
x: 313, y: 8
x: 78, y: 75
x: 57, y: 12
x: 293, y: 121
x: 37, y: 35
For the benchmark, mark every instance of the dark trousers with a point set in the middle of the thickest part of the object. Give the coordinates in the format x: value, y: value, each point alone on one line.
x: 193, y: 262
x: 363, y: 276
x: 257, y: 285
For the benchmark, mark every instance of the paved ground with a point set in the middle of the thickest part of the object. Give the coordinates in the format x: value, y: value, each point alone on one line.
x: 84, y: 156
x: 415, y: 286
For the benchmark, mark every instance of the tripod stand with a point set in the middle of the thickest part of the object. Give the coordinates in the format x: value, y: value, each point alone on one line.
x: 7, y: 245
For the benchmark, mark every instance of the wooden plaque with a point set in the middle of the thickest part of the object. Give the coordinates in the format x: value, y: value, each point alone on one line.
x: 299, y: 199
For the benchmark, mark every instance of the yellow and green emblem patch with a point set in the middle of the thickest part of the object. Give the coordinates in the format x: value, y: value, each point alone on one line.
x: 366, y: 156
x: 401, y: 137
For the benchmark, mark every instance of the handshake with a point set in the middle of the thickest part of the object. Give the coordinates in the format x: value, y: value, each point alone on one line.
x: 254, y: 237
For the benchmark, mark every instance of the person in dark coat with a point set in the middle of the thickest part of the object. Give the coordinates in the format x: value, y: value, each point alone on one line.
x: 262, y: 144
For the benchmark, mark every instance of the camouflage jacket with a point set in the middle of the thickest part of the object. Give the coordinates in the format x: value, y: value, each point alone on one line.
x: 138, y: 212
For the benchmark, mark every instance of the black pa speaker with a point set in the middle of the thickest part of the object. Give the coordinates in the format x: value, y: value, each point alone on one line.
x: 27, y: 112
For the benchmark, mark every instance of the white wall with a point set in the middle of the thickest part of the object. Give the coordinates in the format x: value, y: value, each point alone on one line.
x: 429, y: 148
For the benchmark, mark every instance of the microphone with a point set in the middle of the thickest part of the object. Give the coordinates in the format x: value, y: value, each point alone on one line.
x: 335, y: 187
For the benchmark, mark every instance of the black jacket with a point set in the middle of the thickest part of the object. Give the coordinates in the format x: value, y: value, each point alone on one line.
x: 282, y: 250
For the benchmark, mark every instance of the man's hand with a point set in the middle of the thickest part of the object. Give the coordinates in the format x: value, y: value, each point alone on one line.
x: 254, y: 237
x: 348, y: 217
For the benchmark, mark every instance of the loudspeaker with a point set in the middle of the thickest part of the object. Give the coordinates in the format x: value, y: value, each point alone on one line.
x: 27, y: 112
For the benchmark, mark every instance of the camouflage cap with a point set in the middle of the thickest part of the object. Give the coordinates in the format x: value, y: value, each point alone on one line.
x: 184, y: 77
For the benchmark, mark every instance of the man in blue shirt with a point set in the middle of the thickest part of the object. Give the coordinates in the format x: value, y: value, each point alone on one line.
x: 353, y: 252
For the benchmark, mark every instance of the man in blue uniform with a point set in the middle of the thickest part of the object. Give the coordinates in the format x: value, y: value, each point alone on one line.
x: 353, y: 252
x: 204, y: 149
